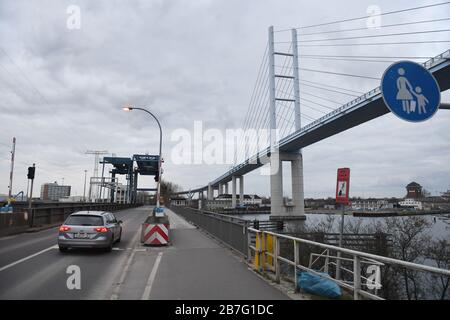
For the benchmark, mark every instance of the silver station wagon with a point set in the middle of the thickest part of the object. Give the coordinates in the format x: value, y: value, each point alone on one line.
x: 90, y: 229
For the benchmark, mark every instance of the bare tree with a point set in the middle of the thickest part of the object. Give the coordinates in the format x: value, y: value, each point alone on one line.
x: 168, y: 189
x: 410, y: 239
x: 439, y: 253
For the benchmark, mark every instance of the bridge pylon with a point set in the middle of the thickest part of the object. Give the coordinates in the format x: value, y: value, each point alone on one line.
x: 296, y: 209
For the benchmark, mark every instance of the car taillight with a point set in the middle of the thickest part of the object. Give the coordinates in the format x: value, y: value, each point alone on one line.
x: 101, y: 230
x: 64, y: 228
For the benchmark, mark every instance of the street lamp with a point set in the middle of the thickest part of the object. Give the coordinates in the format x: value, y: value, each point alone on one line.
x: 158, y: 188
x: 84, y: 189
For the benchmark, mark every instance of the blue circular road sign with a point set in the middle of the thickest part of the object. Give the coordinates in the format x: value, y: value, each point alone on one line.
x: 410, y: 91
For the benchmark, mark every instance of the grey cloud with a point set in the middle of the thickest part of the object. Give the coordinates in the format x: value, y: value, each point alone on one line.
x: 187, y: 60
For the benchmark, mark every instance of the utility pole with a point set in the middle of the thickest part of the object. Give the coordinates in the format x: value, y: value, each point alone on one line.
x: 11, y: 173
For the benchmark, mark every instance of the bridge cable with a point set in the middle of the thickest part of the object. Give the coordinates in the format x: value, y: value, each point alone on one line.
x: 381, y: 26
x: 368, y: 16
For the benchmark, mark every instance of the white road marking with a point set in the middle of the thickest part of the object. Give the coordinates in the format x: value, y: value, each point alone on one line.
x: 151, y: 278
x: 28, y: 257
x: 115, y: 294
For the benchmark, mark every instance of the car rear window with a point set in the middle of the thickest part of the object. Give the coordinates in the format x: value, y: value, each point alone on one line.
x: 79, y: 220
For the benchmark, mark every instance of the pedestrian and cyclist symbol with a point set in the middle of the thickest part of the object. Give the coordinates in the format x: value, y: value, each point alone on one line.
x: 410, y: 91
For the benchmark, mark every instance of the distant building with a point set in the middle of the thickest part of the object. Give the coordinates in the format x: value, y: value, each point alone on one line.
x: 411, y: 203
x: 446, y: 195
x: 71, y: 199
x: 372, y: 205
x: 414, y: 191
x: 224, y: 201
x: 178, y: 201
x: 320, y: 203
x: 53, y: 191
x: 249, y: 199
x: 120, y: 194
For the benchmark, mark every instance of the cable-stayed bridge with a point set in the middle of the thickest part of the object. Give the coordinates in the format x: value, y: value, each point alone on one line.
x: 301, y: 103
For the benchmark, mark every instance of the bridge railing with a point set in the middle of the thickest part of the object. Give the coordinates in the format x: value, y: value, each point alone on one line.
x: 271, y: 251
x: 230, y: 230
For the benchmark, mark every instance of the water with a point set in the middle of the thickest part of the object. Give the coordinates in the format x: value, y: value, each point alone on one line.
x: 438, y: 230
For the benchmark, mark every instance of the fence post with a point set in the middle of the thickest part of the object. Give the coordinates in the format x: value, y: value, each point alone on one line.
x: 263, y: 251
x: 249, y: 243
x: 269, y: 249
x: 276, y: 252
x: 356, y: 277
x: 296, y: 264
x: 257, y: 260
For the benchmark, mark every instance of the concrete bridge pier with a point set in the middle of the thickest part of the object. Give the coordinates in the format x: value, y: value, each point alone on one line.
x: 226, y: 187
x: 233, y: 191
x: 210, y: 192
x: 292, y: 214
x: 201, y: 199
x: 241, y: 190
x: 222, y: 186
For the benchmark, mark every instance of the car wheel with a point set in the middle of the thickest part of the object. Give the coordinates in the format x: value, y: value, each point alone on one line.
x: 63, y: 249
x: 109, y: 248
x: 120, y: 236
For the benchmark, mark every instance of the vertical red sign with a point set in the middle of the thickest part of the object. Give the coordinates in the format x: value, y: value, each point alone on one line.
x: 342, y: 185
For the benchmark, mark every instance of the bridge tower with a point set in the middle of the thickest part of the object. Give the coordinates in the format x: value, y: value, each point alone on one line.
x: 280, y: 210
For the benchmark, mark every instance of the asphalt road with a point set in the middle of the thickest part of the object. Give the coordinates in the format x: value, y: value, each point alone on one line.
x: 193, y: 267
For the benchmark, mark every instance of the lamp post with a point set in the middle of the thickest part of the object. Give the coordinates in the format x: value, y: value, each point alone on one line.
x: 158, y: 186
x: 84, y: 189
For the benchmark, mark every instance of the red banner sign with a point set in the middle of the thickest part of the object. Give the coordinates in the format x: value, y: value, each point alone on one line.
x: 342, y: 185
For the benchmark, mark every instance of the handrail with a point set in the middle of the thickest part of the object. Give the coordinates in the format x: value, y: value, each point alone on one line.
x: 262, y: 252
x: 359, y: 253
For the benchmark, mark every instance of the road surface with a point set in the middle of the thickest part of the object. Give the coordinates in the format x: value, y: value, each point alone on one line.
x: 193, y: 267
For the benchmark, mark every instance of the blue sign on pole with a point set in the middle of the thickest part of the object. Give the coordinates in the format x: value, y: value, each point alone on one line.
x: 410, y: 91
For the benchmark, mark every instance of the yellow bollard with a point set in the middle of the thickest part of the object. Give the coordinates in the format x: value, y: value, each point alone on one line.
x: 270, y: 246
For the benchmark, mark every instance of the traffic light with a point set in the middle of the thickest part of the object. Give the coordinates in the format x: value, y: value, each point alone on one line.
x: 31, y: 171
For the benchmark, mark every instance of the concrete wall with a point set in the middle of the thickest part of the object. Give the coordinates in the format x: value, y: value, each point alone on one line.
x: 22, y: 219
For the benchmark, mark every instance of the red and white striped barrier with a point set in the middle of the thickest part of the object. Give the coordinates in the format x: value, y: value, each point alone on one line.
x: 155, y: 234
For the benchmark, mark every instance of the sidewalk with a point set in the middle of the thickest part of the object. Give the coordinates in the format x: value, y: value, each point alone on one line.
x: 193, y: 267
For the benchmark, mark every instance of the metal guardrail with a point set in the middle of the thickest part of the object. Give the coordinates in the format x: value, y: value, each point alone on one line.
x: 357, y: 257
x: 230, y: 230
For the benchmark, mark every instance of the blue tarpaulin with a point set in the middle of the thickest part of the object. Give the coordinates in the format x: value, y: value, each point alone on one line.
x: 318, y: 285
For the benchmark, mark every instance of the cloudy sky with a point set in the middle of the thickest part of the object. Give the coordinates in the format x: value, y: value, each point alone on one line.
x: 62, y: 89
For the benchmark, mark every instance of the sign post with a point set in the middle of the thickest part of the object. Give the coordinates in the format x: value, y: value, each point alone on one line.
x: 410, y: 91
x: 342, y: 197
x: 30, y: 176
